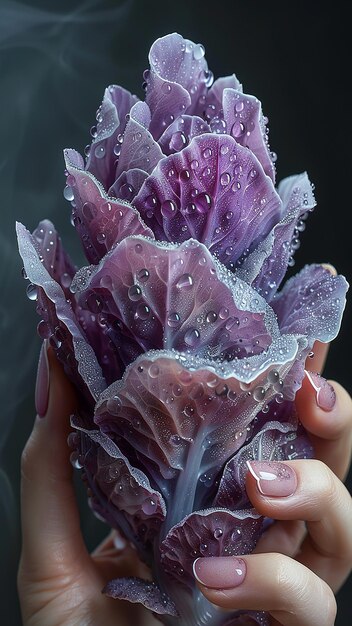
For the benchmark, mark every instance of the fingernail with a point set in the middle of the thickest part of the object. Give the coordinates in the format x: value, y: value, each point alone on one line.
x: 324, y: 393
x: 42, y: 383
x: 221, y: 572
x: 273, y: 478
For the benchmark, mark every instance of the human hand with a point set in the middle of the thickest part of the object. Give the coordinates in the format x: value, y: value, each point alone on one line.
x: 296, y: 567
x: 59, y: 582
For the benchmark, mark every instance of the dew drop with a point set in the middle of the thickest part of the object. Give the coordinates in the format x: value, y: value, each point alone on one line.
x: 236, y: 535
x: 259, y: 394
x: 211, y: 317
x: 138, y: 248
x: 149, y: 506
x: 185, y: 282
x: 175, y: 440
x: 190, y: 208
x: 99, y: 151
x: 134, y: 293
x: 203, y: 202
x: 153, y: 371
x: 185, y: 175
x: 207, y: 153
x: 177, y: 390
x: 32, y: 292
x: 198, y: 52
x: 279, y: 398
x: 68, y: 193
x: 173, y: 320
x: 166, y: 88
x: 239, y: 106
x: 218, y: 533
x: 89, y: 211
x: 209, y: 78
x: 178, y: 141
x: 273, y: 376
x: 224, y: 149
x: 225, y: 179
x: 126, y: 191
x: 192, y: 336
x: 142, y: 312
x: 143, y: 275
x: 237, y: 129
x: 194, y: 164
x: 168, y: 209
x: 151, y: 202
x: 223, y: 313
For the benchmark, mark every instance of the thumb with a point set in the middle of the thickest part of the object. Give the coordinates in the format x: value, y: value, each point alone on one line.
x: 51, y: 535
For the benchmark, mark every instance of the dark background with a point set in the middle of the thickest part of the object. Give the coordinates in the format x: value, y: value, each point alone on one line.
x: 55, y: 60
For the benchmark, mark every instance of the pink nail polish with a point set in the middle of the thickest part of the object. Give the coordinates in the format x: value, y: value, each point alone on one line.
x: 325, y: 393
x: 221, y: 572
x: 42, y: 383
x: 273, y: 478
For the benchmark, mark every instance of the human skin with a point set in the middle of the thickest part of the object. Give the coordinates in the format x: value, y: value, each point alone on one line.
x: 293, y: 573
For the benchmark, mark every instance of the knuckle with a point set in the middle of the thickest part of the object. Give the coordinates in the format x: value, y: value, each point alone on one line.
x: 298, y: 589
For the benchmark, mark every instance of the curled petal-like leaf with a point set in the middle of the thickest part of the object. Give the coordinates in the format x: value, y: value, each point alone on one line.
x: 215, y: 191
x: 126, y: 488
x: 266, y: 266
x: 71, y: 344
x: 157, y: 295
x: 210, y: 106
x: 101, y: 221
x: 245, y: 122
x: 274, y: 442
x: 111, y: 122
x: 181, y: 132
x: 138, y: 149
x: 214, y: 532
x: 143, y: 591
x: 312, y: 303
x: 128, y: 184
x: 181, y: 423
x: 178, y: 77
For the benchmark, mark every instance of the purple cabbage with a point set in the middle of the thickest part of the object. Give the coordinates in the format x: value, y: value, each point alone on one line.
x: 185, y: 351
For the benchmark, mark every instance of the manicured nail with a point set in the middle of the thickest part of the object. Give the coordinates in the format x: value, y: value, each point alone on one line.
x: 219, y: 572
x: 324, y: 393
x: 42, y: 384
x: 273, y: 478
